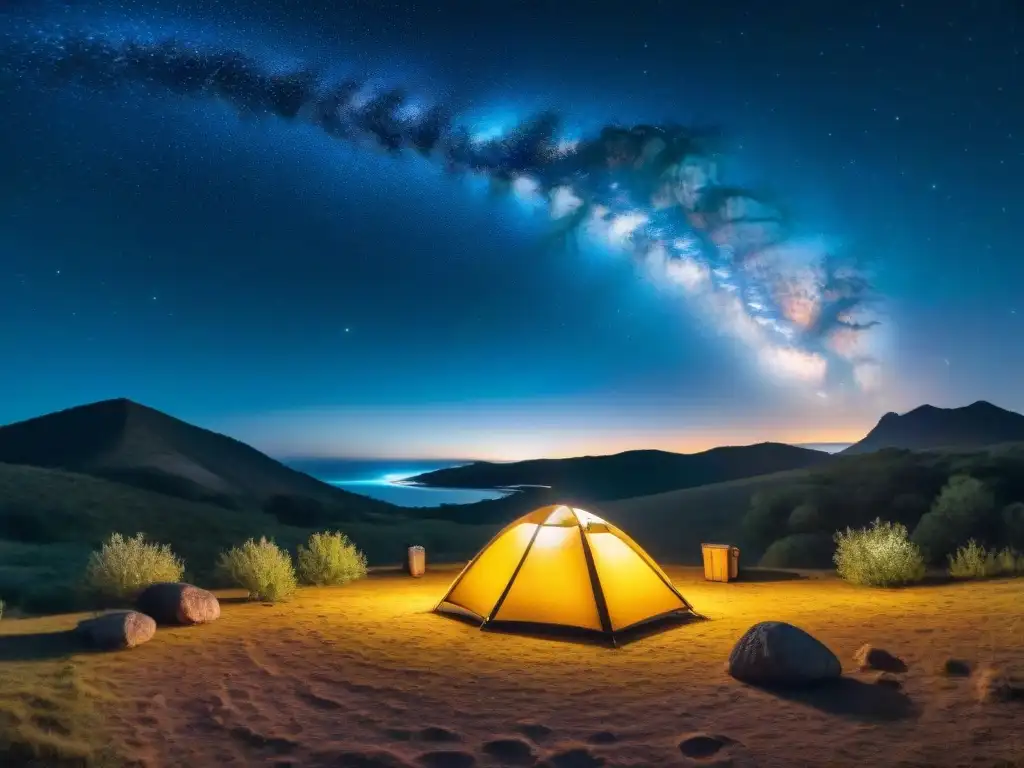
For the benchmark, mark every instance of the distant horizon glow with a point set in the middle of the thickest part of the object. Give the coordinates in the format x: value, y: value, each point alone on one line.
x: 396, y: 478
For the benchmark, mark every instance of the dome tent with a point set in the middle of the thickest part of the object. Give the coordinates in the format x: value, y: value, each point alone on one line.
x: 564, y: 567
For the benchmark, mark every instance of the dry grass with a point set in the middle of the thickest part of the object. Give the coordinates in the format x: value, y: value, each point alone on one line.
x: 365, y: 675
x: 49, y: 708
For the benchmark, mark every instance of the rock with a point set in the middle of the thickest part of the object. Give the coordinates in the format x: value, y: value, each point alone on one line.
x: 994, y: 685
x: 117, y: 630
x: 956, y: 668
x: 888, y: 680
x: 171, y: 603
x: 869, y: 657
x: 774, y: 653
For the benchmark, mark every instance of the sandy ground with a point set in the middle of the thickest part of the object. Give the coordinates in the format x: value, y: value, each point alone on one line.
x: 365, y: 676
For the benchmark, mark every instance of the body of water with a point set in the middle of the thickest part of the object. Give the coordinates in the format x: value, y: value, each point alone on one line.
x: 826, y: 447
x: 379, y: 479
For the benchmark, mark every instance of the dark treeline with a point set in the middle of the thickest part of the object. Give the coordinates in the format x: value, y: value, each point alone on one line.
x: 944, y: 500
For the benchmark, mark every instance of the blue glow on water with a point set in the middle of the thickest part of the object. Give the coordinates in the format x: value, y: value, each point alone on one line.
x: 381, y: 479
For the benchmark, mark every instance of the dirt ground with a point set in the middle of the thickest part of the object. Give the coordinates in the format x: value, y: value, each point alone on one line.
x: 366, y: 676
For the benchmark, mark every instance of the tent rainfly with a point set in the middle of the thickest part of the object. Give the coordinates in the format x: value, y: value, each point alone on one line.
x: 562, y: 566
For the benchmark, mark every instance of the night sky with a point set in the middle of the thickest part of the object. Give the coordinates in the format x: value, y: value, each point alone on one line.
x: 316, y: 297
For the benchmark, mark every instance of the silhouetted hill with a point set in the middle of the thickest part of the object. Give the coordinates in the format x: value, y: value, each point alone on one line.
x: 928, y: 427
x: 135, y: 445
x: 633, y: 473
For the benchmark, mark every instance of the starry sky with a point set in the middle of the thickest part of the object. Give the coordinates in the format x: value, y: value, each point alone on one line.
x: 318, y: 299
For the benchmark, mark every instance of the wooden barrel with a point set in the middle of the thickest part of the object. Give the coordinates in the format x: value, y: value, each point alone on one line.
x: 417, y: 561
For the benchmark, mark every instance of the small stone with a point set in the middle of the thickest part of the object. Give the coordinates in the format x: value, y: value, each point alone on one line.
x: 994, y: 685
x: 956, y: 668
x: 869, y: 657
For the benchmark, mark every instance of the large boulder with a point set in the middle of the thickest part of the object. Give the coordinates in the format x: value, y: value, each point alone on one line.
x: 774, y: 653
x: 117, y: 630
x: 172, y: 603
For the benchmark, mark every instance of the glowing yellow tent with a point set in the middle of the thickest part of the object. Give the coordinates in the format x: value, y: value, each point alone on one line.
x: 563, y: 566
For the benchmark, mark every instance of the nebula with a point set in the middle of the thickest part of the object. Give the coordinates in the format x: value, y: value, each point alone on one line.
x: 654, y: 192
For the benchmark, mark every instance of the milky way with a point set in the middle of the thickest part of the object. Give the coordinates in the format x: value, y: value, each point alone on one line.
x: 651, y: 191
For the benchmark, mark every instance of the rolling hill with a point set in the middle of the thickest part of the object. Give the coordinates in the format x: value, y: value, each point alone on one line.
x: 629, y: 474
x: 135, y: 445
x: 50, y: 519
x: 928, y: 427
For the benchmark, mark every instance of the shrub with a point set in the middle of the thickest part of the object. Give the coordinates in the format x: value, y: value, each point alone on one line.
x: 800, y: 550
x: 262, y: 568
x: 879, y: 556
x: 1010, y: 562
x: 973, y: 561
x: 123, y: 566
x: 1, y: 609
x: 330, y: 559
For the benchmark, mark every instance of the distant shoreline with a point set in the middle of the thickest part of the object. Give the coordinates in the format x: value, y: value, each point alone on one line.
x: 509, y: 489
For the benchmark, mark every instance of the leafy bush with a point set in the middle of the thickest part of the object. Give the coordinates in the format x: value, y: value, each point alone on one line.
x: 330, y: 559
x: 963, y: 509
x: 123, y: 566
x: 1, y: 609
x: 879, y: 556
x: 800, y: 550
x: 262, y: 568
x: 1009, y: 562
x: 973, y: 561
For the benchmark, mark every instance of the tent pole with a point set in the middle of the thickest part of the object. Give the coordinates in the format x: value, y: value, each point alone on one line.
x: 595, y: 584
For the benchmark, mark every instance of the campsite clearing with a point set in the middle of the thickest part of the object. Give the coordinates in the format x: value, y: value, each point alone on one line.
x: 368, y: 675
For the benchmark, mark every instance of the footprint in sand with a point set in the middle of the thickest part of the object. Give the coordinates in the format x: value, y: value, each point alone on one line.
x: 511, y: 751
x: 574, y: 757
x: 707, y: 749
x: 318, y: 701
x: 536, y: 732
x: 437, y: 734
x: 446, y: 759
x: 255, y: 739
x: 373, y: 758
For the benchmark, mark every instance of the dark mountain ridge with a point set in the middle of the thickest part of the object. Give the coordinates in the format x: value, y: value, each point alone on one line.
x: 136, y: 445
x: 928, y: 427
x: 632, y: 473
